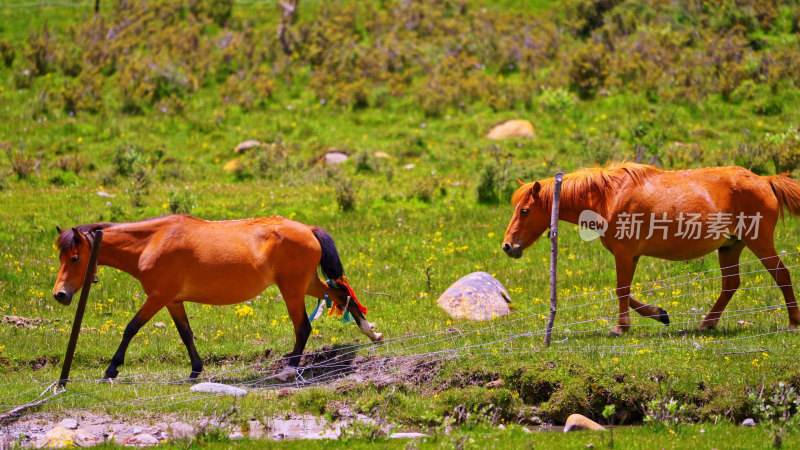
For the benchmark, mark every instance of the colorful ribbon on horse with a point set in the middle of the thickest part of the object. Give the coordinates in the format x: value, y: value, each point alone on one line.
x: 335, y: 308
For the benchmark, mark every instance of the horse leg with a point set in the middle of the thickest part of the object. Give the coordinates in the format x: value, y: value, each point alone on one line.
x: 765, y: 251
x: 146, y: 312
x: 644, y: 309
x: 625, y: 268
x: 317, y: 288
x: 178, y: 313
x: 295, y: 304
x: 729, y: 266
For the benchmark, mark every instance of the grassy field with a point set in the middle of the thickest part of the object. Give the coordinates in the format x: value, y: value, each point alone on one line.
x: 407, y: 224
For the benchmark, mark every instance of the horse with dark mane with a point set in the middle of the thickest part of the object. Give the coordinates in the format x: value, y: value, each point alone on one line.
x: 640, y: 210
x: 181, y: 259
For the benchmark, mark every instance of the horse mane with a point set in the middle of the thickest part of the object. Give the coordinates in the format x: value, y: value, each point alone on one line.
x: 587, y: 183
x: 66, y: 240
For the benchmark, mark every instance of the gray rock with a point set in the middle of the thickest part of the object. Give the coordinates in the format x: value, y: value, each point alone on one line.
x: 142, y: 439
x: 235, y: 435
x: 69, y: 423
x: 335, y: 158
x: 477, y: 296
x: 136, y: 430
x: 181, y: 430
x: 218, y: 388
x: 407, y: 435
x: 749, y: 422
x: 246, y: 145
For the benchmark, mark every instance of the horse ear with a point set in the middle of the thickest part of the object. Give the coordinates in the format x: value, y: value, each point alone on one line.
x: 536, y: 188
x: 521, y: 183
x: 59, y: 230
x: 76, y: 234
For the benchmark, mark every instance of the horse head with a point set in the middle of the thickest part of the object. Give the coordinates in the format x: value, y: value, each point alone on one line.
x: 530, y: 220
x: 74, y: 247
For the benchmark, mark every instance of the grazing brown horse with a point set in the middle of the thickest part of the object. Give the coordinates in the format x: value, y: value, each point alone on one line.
x: 674, y: 215
x: 183, y: 259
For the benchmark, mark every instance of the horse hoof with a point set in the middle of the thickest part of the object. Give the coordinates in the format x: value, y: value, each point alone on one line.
x: 616, y: 332
x: 286, y: 373
x: 110, y: 375
x: 792, y: 327
x: 705, y: 326
x: 663, y: 317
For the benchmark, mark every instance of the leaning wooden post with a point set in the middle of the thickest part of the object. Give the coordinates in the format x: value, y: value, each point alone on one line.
x: 553, y: 256
x: 76, y: 325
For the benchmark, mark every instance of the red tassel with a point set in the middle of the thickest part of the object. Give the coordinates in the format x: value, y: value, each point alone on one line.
x: 342, y: 281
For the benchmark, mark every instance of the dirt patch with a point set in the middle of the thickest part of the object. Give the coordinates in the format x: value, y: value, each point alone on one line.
x: 42, y: 362
x: 23, y: 322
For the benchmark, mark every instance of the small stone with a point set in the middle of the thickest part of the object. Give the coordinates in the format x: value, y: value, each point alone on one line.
x: 246, y: 145
x: 381, y: 155
x: 233, y: 165
x: 335, y: 158
x: 526, y: 430
x: 501, y: 427
x: 581, y: 422
x: 142, y: 439
x: 748, y: 422
x: 104, y: 194
x: 159, y: 325
x: 407, y: 435
x: 69, y: 424
x: 409, y: 166
x: 494, y: 384
x: 218, y: 388
x: 235, y: 435
x: 517, y: 128
x: 57, y: 437
x: 181, y: 430
x: 136, y: 430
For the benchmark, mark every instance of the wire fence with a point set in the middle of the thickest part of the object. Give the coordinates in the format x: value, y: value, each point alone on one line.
x: 518, y: 334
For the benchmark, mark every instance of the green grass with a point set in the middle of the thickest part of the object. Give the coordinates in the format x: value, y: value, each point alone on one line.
x: 387, y: 243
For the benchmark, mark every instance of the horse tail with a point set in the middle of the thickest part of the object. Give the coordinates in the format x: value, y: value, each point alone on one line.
x: 330, y: 264
x: 787, y: 192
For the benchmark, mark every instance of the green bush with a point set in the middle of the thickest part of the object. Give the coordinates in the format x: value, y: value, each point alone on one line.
x: 7, y: 52
x: 588, y: 69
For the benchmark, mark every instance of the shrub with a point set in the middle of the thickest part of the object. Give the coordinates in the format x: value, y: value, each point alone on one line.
x: 487, y: 186
x: 556, y: 99
x: 217, y: 10
x: 40, y: 53
x: 588, y: 69
x: 345, y: 196
x: 7, y: 52
x: 181, y: 201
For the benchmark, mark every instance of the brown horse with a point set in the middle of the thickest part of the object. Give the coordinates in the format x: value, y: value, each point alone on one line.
x: 183, y: 259
x: 674, y: 215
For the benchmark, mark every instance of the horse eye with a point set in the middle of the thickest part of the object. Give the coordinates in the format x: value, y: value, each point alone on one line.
x: 75, y: 258
x: 524, y: 211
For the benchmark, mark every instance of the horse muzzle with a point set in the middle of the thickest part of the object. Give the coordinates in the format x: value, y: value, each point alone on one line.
x: 512, y: 250
x: 63, y: 297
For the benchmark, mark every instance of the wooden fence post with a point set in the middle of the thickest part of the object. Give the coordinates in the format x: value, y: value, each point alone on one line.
x: 553, y: 256
x: 91, y: 269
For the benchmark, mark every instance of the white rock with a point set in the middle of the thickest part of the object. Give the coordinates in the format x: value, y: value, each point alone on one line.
x: 335, y: 158
x: 218, y: 388
x: 142, y: 439
x: 407, y: 435
x: 69, y: 424
x: 180, y: 430
x: 749, y: 422
x: 477, y: 296
x: 246, y: 145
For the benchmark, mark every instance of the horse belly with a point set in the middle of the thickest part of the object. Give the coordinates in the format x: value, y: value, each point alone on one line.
x: 682, y: 250
x: 226, y: 285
